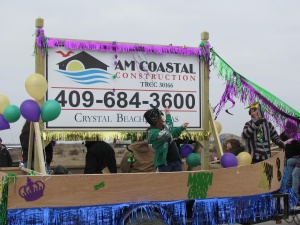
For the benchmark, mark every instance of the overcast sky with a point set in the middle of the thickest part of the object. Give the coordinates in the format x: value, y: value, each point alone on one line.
x: 258, y: 39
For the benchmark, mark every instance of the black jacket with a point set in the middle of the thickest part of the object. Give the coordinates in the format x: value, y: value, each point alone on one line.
x: 292, y: 149
x: 24, y: 140
x: 49, y: 152
x: 5, y: 158
x: 99, y: 155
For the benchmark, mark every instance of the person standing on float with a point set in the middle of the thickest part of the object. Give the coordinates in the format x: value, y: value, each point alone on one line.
x: 258, y: 133
x: 161, y: 135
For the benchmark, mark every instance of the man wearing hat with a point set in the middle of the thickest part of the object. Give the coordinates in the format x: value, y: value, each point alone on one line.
x: 161, y: 135
x: 258, y: 133
x: 5, y: 158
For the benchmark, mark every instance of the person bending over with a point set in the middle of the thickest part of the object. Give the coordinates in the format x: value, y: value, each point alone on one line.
x: 99, y: 155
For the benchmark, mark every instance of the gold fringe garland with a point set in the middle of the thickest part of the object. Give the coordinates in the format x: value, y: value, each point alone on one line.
x: 111, y: 135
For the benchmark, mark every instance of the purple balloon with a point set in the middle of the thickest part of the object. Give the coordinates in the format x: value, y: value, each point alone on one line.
x: 229, y: 160
x: 30, y: 110
x: 185, y: 150
x: 3, y: 123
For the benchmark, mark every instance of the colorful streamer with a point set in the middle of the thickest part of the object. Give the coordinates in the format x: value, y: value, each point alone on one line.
x: 248, y: 92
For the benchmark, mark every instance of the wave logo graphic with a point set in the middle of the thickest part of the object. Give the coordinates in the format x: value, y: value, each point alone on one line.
x: 84, y: 68
x: 88, y: 76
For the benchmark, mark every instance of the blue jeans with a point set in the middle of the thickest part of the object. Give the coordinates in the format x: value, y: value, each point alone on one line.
x: 32, y: 165
x: 291, y: 164
x: 296, y: 181
x: 171, y: 167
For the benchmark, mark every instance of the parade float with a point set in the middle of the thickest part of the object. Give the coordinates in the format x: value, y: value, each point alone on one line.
x: 96, y: 90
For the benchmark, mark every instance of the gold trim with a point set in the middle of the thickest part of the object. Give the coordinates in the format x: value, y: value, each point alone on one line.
x: 111, y: 135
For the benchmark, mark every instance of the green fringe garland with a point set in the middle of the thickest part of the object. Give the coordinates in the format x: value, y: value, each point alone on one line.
x: 277, y: 102
x: 226, y: 72
x: 4, y: 199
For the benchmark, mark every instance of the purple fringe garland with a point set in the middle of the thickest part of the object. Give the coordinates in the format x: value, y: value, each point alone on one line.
x: 40, y: 40
x: 227, y: 96
x: 119, y: 47
x: 203, y: 51
x: 285, y: 121
x: 249, y: 94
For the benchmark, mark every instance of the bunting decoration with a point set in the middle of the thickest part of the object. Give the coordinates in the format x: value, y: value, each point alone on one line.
x: 247, y: 92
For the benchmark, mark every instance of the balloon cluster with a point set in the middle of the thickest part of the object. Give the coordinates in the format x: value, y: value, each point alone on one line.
x: 230, y: 160
x: 192, y: 159
x: 36, y: 86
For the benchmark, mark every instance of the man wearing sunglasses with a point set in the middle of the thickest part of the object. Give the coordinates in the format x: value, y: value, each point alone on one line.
x: 258, y: 133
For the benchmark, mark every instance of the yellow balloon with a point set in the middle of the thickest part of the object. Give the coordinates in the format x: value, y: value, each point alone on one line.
x: 218, y: 127
x: 36, y: 86
x: 244, y: 159
x: 4, y: 101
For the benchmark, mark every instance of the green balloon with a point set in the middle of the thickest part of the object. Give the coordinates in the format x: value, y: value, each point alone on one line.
x: 50, y: 110
x: 11, y: 113
x: 193, y: 160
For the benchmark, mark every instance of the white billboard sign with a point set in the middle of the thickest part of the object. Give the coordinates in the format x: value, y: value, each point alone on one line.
x: 112, y: 90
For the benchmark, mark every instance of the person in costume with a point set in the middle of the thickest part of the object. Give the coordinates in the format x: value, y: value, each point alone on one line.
x: 258, y: 134
x: 161, y: 135
x: 139, y: 158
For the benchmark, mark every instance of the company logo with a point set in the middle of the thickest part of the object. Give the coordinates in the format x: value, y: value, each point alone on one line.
x: 85, y: 69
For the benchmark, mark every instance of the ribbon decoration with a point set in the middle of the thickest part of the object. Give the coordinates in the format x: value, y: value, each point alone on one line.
x: 248, y: 92
x: 130, y: 159
x: 227, y: 96
x: 41, y: 41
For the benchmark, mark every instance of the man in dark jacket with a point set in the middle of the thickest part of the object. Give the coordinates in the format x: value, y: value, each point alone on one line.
x: 99, y: 155
x: 5, y: 158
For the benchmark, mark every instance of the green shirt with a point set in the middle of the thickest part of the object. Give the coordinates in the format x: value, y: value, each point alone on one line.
x: 160, y: 140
